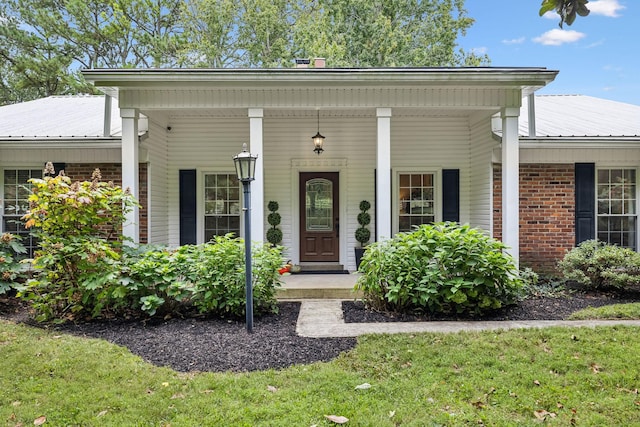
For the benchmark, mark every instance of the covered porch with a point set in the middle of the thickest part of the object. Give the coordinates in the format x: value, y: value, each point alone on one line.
x: 416, y: 143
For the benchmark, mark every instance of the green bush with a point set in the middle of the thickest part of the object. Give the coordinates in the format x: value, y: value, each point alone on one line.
x: 596, y: 264
x: 11, y: 270
x: 78, y: 262
x: 209, y: 277
x: 439, y: 268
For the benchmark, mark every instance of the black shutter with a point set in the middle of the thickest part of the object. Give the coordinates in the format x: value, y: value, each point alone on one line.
x: 585, y: 175
x: 451, y: 195
x: 188, y: 232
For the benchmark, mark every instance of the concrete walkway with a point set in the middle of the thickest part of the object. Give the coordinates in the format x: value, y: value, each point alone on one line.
x: 323, y: 319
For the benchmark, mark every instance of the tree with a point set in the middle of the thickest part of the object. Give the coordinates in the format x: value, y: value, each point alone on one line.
x: 567, y: 9
x: 44, y: 43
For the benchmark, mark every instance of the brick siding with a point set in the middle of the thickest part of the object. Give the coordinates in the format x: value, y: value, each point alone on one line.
x: 547, y: 219
x: 113, y: 172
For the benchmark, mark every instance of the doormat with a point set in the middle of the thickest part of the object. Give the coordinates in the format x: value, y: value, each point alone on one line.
x: 323, y: 272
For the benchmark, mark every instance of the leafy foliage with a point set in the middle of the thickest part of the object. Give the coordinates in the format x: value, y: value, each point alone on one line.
x: 439, y: 268
x: 78, y: 262
x: 274, y: 234
x: 363, y: 234
x: 11, y: 272
x: 44, y: 43
x: 567, y: 9
x: 597, y: 264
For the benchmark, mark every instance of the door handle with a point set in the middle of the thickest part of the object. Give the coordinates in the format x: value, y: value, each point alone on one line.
x: 337, y: 228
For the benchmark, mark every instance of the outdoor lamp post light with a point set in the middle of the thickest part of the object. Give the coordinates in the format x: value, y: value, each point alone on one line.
x: 246, y: 170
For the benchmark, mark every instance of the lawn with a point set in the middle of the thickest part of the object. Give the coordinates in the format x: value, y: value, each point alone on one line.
x: 557, y: 376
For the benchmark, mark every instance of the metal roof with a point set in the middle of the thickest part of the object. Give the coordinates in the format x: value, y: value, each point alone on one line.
x: 57, y: 117
x: 580, y: 116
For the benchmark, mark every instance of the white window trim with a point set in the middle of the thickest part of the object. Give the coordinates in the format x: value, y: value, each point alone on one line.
x: 200, y: 201
x: 606, y: 166
x: 2, y: 200
x: 437, y: 188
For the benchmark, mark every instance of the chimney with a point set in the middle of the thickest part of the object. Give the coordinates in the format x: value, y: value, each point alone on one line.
x: 319, y: 63
x: 302, y: 63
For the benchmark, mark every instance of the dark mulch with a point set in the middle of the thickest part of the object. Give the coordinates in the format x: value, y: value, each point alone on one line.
x: 532, y: 308
x: 224, y: 345
x: 215, y: 345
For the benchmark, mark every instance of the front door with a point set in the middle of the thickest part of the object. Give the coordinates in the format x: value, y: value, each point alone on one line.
x: 319, y: 220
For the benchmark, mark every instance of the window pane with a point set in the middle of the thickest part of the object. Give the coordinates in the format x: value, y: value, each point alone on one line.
x: 221, y: 205
x: 319, y: 205
x: 617, y: 206
x: 416, y: 201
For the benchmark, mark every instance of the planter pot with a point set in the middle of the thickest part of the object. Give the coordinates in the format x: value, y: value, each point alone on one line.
x: 359, y: 253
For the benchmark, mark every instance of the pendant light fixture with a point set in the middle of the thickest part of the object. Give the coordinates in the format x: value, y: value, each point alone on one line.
x: 318, y: 140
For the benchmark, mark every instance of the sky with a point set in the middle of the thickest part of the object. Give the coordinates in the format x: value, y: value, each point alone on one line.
x: 598, y: 55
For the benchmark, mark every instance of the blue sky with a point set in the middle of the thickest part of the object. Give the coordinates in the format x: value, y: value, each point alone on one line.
x: 598, y: 55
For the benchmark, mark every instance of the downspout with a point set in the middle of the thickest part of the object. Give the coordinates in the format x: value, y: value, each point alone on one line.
x: 532, y: 114
x: 106, y: 132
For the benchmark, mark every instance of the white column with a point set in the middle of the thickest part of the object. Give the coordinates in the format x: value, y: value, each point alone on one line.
x: 383, y: 175
x: 131, y: 227
x: 511, y: 181
x: 257, y: 186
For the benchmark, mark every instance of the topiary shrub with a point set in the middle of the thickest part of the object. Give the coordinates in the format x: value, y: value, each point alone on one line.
x: 363, y: 234
x: 439, y: 268
x: 274, y: 234
x: 597, y: 264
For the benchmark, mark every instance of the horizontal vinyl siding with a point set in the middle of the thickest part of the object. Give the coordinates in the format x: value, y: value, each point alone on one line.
x: 617, y: 156
x: 203, y: 143
x: 349, y: 148
x: 432, y: 143
x: 26, y: 156
x: 157, y: 157
x: 480, y: 175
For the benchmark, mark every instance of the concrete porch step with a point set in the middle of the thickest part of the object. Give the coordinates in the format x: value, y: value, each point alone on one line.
x: 318, y: 286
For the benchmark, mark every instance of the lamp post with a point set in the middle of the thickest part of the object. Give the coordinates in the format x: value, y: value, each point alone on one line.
x: 246, y: 170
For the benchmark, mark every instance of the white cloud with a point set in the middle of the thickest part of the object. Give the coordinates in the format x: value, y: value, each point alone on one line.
x: 608, y: 8
x: 480, y: 50
x: 558, y: 37
x: 519, y: 40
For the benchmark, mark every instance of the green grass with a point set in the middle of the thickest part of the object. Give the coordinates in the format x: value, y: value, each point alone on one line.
x: 586, y: 377
x: 613, y: 311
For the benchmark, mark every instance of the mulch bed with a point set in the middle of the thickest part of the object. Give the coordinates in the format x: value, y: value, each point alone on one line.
x: 218, y: 345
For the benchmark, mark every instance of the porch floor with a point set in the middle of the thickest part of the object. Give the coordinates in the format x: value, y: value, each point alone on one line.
x: 318, y: 286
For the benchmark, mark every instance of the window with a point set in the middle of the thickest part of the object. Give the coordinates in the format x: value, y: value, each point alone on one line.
x: 616, y: 211
x: 15, y: 193
x: 416, y: 200
x: 221, y: 205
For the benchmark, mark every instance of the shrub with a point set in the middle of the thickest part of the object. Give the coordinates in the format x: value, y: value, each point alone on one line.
x: 274, y: 234
x: 596, y: 264
x: 363, y: 234
x: 78, y: 263
x: 11, y: 271
x: 215, y: 276
x: 439, y: 268
x: 209, y: 277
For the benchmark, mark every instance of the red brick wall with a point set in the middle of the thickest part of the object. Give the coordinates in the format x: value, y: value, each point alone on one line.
x: 113, y: 172
x: 547, y: 219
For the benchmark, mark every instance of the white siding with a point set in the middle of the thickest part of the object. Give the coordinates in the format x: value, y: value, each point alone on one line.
x: 206, y: 144
x: 432, y: 144
x: 604, y: 155
x: 30, y: 155
x: 158, y: 183
x: 349, y: 149
x: 480, y: 175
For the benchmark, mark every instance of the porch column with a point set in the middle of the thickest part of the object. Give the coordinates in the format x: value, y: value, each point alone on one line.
x: 383, y: 175
x: 257, y: 187
x: 131, y: 226
x: 511, y: 181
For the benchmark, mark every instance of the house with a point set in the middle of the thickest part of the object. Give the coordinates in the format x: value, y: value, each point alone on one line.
x: 421, y: 144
